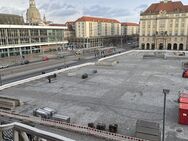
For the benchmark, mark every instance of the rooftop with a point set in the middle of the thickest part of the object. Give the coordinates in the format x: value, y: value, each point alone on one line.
x: 129, y: 24
x: 96, y: 19
x: 57, y: 24
x: 169, y: 7
x: 121, y: 93
x: 32, y: 27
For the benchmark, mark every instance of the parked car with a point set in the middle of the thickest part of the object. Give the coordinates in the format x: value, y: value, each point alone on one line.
x: 45, y: 58
x: 3, y: 66
x: 185, y: 74
x: 25, y: 62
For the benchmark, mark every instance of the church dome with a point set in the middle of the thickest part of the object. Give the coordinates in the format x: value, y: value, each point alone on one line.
x: 33, y: 14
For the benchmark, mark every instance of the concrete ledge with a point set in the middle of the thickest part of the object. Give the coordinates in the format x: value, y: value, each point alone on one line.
x: 42, y: 76
x: 106, y: 63
x: 170, y: 57
x: 147, y: 56
x: 116, y: 55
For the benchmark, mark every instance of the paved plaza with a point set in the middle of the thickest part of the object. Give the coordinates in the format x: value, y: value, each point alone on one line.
x: 121, y: 93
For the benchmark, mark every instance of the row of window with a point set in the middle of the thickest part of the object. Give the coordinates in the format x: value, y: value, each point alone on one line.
x: 168, y: 39
x: 170, y: 33
x: 170, y: 15
x: 29, y: 32
x: 30, y: 40
x: 162, y: 46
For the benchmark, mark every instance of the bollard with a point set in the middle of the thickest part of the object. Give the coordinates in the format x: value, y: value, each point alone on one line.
x: 101, y: 126
x: 1, y: 83
x: 113, y: 128
x: 91, y: 125
x: 94, y: 71
x: 84, y: 76
x: 49, y: 79
x: 55, y: 75
x: 43, y: 72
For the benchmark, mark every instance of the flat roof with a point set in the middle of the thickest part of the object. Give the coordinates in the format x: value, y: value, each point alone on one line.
x: 121, y: 93
x: 32, y: 27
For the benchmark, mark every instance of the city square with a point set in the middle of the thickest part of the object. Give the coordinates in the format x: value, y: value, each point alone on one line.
x: 93, y: 70
x: 122, y: 93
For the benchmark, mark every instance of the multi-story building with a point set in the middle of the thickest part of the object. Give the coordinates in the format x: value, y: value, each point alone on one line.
x: 25, y: 39
x: 129, y: 29
x: 87, y: 27
x: 94, y: 31
x: 164, y: 25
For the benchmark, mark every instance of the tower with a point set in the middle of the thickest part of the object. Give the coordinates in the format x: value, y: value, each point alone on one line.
x: 32, y: 3
x: 165, y: 1
x: 33, y: 15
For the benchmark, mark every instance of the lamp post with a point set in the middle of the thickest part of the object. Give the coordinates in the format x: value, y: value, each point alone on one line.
x: 121, y: 40
x: 165, y: 92
x: 1, y: 82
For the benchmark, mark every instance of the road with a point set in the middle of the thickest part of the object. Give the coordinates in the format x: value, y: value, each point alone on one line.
x: 34, y: 72
x: 17, y: 73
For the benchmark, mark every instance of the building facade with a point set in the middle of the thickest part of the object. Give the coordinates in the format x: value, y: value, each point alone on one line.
x: 94, y: 32
x: 87, y: 27
x: 129, y: 29
x: 26, y: 39
x: 164, y: 26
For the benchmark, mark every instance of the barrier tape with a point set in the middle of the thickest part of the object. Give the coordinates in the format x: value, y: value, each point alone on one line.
x: 69, y: 126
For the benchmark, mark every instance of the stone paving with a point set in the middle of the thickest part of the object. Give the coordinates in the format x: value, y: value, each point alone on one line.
x: 120, y: 94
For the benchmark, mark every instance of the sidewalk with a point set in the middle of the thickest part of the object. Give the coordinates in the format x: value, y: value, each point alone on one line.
x: 17, y: 59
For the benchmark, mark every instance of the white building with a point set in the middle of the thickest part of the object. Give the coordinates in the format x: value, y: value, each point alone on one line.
x: 129, y: 28
x: 26, y: 39
x: 164, y: 25
x: 87, y: 27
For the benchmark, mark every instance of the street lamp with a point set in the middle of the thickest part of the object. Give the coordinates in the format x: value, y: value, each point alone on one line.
x: 1, y: 82
x: 165, y: 92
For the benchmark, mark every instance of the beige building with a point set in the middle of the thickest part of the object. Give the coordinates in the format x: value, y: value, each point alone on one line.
x: 33, y: 15
x: 129, y: 29
x: 87, y: 27
x: 164, y: 25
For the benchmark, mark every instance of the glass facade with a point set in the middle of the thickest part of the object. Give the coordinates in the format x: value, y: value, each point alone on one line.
x: 29, y: 36
x: 12, y: 40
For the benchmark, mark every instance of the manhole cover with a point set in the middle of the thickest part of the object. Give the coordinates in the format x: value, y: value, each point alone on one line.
x: 179, y: 130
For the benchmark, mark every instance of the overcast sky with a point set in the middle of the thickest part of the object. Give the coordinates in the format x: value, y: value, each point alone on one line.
x: 60, y: 11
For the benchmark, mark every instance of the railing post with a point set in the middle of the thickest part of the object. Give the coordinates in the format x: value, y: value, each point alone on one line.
x: 16, y: 135
x: 25, y: 137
